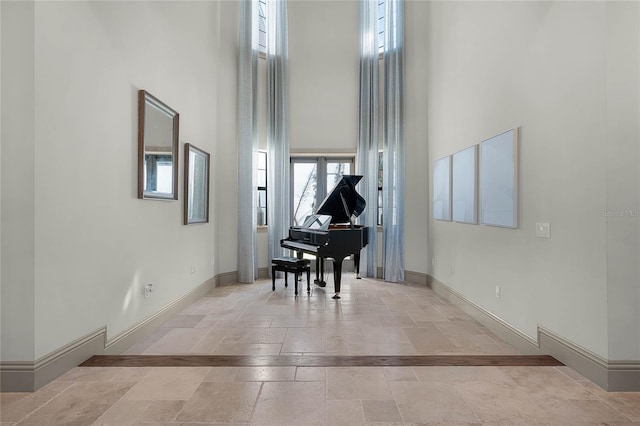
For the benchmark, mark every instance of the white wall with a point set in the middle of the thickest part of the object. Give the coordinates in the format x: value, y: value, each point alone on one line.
x: 95, y: 243
x: 544, y: 67
x: 623, y: 180
x: 323, y: 80
x: 226, y: 153
x: 17, y: 224
x: 1, y: 137
x: 416, y: 136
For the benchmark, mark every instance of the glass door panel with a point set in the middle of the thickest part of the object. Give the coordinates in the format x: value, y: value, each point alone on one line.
x: 335, y: 171
x: 305, y: 183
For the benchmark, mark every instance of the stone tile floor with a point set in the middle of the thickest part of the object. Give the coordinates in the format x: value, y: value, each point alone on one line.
x: 372, y: 318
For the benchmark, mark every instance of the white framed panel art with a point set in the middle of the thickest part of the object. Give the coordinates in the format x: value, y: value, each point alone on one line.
x: 499, y: 180
x: 464, y: 198
x: 442, y: 189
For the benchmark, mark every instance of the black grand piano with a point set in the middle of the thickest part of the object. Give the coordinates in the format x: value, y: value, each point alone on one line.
x: 331, y: 233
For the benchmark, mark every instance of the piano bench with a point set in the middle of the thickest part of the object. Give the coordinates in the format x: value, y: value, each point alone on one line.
x: 290, y: 264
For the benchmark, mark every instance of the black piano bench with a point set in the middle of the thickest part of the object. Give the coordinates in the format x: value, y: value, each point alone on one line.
x: 290, y: 264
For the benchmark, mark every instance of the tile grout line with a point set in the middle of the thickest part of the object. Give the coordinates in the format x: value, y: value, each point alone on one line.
x: 255, y: 404
x: 43, y: 404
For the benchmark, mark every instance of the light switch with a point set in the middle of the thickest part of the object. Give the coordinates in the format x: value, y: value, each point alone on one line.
x: 543, y: 230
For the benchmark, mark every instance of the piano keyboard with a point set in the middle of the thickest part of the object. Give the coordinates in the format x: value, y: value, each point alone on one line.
x: 294, y: 245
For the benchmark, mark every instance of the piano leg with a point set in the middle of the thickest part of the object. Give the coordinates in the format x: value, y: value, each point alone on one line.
x: 337, y: 276
x: 356, y: 260
x: 299, y: 255
x: 320, y: 272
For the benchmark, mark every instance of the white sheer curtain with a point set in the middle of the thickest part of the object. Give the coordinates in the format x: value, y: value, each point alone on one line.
x: 278, y: 205
x: 248, y: 142
x: 393, y: 142
x: 367, y: 156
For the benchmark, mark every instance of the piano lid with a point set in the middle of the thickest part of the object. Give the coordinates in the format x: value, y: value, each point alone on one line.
x: 343, y: 201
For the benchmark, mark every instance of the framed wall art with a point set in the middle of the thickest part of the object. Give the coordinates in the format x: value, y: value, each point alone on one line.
x: 442, y: 189
x: 499, y: 180
x: 464, y: 191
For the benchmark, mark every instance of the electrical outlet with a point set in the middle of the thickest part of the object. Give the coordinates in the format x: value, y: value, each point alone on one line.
x: 498, y: 292
x: 193, y: 269
x: 433, y: 261
x: 453, y: 270
x: 148, y: 289
x: 543, y: 230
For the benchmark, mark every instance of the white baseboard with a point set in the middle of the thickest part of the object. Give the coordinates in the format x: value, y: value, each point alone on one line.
x: 226, y: 278
x: 414, y: 277
x: 615, y: 376
x: 27, y: 376
x: 624, y: 376
x: 263, y: 272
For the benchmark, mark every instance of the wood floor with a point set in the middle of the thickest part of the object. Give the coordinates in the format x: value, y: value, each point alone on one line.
x: 320, y: 361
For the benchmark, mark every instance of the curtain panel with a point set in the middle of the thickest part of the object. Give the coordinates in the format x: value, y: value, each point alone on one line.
x: 394, y: 145
x: 278, y: 180
x: 248, y: 142
x: 367, y: 153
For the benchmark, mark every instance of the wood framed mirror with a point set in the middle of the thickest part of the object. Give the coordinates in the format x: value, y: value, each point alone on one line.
x: 157, y: 148
x: 196, y: 185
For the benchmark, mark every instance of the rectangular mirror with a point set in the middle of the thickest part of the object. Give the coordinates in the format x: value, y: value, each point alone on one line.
x: 157, y: 148
x: 196, y: 185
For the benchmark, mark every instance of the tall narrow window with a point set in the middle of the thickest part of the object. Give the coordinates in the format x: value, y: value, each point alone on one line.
x: 380, y: 188
x: 262, y: 188
x: 312, y: 178
x: 304, y: 178
x: 381, y: 25
x: 262, y: 27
